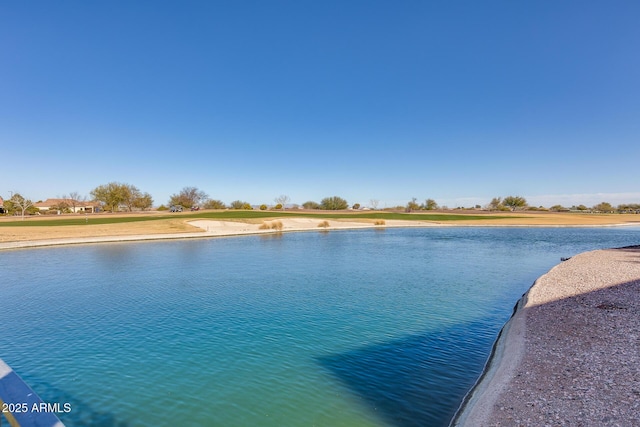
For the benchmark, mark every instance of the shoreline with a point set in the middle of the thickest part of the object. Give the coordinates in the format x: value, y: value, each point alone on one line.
x: 565, y: 356
x: 214, y: 229
x: 495, y: 365
x: 221, y: 228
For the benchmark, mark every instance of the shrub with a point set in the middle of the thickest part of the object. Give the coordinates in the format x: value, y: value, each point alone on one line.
x: 238, y: 204
x: 214, y: 204
x: 263, y: 207
x: 412, y: 205
x: 247, y: 207
x: 324, y: 224
x: 275, y: 225
x: 430, y: 205
x: 334, y: 203
x: 278, y: 206
x: 311, y: 205
x: 356, y: 206
x: 379, y: 222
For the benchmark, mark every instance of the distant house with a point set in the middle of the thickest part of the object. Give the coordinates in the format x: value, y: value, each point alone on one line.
x: 80, y: 207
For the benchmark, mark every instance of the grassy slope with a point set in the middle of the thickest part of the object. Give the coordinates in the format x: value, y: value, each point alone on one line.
x: 231, y: 214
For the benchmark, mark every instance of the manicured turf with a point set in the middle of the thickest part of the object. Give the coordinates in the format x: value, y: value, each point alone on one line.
x: 232, y: 214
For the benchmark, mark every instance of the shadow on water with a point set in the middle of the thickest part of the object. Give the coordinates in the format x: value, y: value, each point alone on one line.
x: 81, y: 414
x: 419, y: 380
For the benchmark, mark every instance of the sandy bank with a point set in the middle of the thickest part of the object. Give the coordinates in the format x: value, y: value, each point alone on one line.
x: 571, y: 352
x: 203, y: 229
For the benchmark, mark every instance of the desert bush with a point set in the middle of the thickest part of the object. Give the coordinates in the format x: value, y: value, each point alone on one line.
x: 412, y: 205
x: 333, y: 203
x: 278, y: 206
x: 324, y: 224
x: 379, y: 222
x: 274, y: 225
x: 311, y: 205
x: 162, y: 208
x: 356, y: 206
x: 213, y: 204
x: 239, y: 204
x: 263, y: 207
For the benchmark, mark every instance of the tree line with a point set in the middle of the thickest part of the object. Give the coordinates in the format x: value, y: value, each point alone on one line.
x: 512, y: 203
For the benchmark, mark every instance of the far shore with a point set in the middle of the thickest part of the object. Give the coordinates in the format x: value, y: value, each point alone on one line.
x: 15, y: 233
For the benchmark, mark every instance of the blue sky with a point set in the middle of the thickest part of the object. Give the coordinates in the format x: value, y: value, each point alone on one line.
x: 459, y: 101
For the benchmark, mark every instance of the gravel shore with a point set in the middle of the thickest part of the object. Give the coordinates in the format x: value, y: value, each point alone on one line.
x: 570, y: 355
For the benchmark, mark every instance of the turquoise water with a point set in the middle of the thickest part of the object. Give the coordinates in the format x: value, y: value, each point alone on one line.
x: 348, y: 328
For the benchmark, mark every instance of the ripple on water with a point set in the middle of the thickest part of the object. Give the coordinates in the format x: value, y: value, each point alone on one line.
x: 350, y: 328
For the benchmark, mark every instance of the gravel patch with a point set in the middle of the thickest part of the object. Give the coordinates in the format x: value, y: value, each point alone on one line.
x: 570, y: 356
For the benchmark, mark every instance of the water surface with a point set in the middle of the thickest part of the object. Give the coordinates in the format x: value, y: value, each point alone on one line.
x: 348, y: 328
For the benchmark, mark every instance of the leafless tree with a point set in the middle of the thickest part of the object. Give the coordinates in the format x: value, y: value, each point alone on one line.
x: 21, y: 203
x: 75, y: 199
x: 282, y: 200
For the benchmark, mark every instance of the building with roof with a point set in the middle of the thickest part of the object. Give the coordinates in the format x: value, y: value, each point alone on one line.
x: 74, y: 206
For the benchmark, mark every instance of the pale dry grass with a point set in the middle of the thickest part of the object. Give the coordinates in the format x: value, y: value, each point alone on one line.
x: 553, y: 219
x: 274, y: 225
x: 163, y: 226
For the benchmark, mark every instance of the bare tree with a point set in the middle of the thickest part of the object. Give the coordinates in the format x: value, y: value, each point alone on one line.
x: 21, y: 203
x: 282, y: 200
x: 75, y: 199
x: 374, y: 204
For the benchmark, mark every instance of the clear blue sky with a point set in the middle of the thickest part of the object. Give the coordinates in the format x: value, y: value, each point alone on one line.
x: 459, y: 101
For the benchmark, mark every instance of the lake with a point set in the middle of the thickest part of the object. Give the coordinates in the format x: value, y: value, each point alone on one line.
x: 342, y: 328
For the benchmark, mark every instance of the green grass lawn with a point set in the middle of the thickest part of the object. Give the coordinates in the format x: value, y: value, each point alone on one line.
x: 241, y: 214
